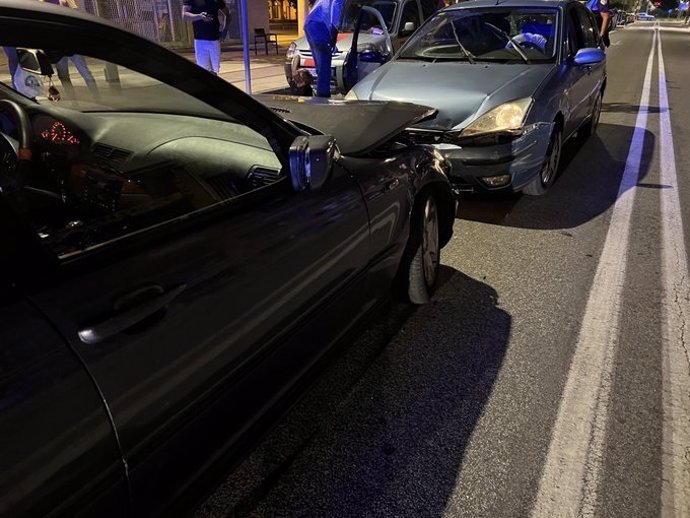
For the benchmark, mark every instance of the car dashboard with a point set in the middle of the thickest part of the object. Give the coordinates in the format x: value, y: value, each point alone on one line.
x: 97, y: 176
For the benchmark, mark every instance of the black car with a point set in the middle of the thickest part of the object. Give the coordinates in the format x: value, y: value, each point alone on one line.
x: 176, y: 256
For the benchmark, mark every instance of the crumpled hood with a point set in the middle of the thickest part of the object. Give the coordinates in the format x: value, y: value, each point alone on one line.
x: 458, y: 90
x: 358, y: 127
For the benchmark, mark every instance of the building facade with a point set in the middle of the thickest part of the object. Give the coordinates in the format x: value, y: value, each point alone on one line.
x: 161, y: 20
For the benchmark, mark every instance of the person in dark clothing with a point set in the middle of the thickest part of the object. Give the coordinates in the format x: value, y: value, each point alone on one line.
x: 205, y: 18
x: 79, y: 62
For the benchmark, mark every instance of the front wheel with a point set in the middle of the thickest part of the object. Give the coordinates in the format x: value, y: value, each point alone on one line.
x: 540, y: 184
x: 421, y: 260
x: 591, y: 127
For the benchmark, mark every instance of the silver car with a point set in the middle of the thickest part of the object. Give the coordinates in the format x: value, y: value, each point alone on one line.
x: 511, y: 81
x: 376, y: 42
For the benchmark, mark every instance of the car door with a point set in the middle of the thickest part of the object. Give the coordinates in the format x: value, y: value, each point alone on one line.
x: 176, y: 318
x: 581, y: 80
x: 577, y: 79
x: 194, y: 295
x: 59, y: 453
x: 410, y: 12
x: 594, y: 74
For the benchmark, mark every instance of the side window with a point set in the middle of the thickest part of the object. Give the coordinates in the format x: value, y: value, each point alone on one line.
x: 429, y: 7
x: 116, y: 152
x: 410, y: 13
x: 590, y: 35
x: 575, y: 38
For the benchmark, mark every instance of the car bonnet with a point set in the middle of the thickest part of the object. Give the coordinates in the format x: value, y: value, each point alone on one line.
x: 460, y: 91
x: 358, y: 127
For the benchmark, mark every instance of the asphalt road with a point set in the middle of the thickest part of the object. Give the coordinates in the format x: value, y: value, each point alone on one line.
x: 550, y: 376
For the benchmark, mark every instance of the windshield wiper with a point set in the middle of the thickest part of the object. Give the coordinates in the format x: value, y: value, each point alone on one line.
x: 512, y: 40
x: 468, y: 54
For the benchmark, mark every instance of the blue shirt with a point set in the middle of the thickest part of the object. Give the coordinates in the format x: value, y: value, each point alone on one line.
x: 601, y: 6
x: 326, y: 11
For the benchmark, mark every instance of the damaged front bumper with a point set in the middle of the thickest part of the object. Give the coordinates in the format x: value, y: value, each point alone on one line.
x: 505, y: 161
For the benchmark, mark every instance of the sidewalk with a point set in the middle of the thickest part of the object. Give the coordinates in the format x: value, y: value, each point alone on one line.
x: 267, y: 70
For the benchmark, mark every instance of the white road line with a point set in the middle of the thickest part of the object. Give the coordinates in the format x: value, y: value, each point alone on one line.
x: 569, y: 482
x: 675, y: 494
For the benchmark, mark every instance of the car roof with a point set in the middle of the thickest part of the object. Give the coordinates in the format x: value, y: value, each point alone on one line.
x: 471, y: 4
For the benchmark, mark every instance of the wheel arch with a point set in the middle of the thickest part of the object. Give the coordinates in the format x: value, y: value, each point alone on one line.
x: 446, y: 204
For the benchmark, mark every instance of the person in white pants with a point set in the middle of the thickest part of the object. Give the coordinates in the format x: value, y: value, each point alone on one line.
x: 205, y: 16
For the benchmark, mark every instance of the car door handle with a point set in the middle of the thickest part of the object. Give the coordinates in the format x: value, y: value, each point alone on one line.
x: 118, y: 323
x: 392, y: 184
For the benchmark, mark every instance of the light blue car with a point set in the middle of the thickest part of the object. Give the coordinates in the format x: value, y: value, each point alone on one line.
x: 511, y: 81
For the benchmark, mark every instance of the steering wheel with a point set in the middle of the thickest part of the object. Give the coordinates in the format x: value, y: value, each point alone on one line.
x: 16, y: 161
x: 530, y: 40
x: 531, y: 45
x: 23, y: 124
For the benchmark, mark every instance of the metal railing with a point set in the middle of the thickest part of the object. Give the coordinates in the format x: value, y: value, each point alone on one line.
x: 158, y: 20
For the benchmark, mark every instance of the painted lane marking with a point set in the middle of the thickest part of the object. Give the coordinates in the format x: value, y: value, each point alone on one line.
x: 675, y: 310
x: 570, y: 478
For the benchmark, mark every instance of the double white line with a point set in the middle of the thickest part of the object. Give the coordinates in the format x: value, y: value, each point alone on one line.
x: 570, y: 479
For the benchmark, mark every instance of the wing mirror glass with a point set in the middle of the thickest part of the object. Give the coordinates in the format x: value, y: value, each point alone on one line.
x: 589, y: 56
x: 35, y: 61
x: 408, y: 29
x: 311, y: 161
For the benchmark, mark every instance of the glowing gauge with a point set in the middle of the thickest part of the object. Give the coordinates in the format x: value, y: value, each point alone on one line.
x: 59, y: 134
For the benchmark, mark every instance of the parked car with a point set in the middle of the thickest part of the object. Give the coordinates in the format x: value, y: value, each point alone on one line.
x: 645, y: 16
x: 377, y: 41
x: 176, y: 256
x: 511, y: 82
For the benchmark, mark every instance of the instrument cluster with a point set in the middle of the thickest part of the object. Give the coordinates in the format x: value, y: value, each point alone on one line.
x: 59, y: 133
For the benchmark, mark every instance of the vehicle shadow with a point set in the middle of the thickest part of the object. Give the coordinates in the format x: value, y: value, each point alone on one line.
x: 587, y: 186
x: 384, y: 429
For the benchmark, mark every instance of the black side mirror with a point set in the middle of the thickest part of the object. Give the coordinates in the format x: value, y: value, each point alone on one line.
x: 311, y: 161
x: 35, y: 61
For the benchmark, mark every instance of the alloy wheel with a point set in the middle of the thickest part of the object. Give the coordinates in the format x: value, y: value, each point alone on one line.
x: 553, y: 156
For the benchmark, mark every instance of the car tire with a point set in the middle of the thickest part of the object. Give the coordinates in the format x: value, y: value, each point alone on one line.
x: 590, y: 128
x: 549, y: 169
x: 421, y: 259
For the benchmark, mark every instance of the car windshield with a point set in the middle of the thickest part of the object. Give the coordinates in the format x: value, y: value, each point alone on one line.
x: 486, y: 34
x: 349, y: 21
x: 109, y: 88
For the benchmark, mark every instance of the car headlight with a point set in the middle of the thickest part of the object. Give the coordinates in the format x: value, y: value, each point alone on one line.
x: 351, y: 96
x: 506, y: 117
x: 292, y: 49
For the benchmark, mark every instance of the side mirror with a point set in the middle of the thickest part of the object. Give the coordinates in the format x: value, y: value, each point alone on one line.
x: 408, y: 29
x: 36, y: 61
x: 311, y: 161
x: 589, y: 56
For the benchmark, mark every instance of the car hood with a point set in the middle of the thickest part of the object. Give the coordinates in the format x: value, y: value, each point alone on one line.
x: 460, y: 91
x: 344, y: 42
x: 358, y: 127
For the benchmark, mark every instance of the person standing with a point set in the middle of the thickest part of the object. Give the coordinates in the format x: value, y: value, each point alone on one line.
x: 321, y: 30
x: 12, y: 60
x: 79, y: 62
x: 600, y: 8
x: 204, y: 16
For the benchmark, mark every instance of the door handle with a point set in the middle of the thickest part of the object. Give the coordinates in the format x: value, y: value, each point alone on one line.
x: 108, y: 328
x: 392, y: 184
